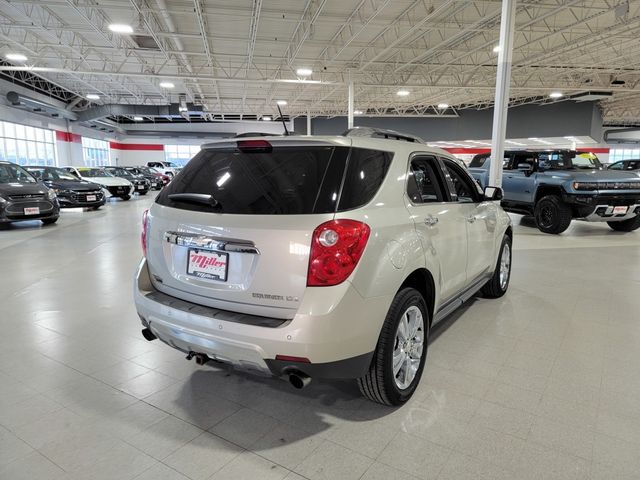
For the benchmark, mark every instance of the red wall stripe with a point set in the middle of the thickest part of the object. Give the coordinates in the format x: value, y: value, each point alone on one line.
x: 593, y: 150
x: 68, y: 137
x: 137, y: 146
x: 462, y: 150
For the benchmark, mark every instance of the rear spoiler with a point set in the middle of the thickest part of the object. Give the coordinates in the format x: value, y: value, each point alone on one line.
x: 278, y: 141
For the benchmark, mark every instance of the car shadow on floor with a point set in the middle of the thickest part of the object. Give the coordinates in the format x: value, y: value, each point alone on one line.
x: 211, y: 398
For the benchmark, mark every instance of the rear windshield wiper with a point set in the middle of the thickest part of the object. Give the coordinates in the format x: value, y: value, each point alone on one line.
x: 202, y: 198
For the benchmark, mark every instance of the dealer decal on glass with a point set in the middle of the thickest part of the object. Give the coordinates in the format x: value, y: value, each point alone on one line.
x: 207, y: 264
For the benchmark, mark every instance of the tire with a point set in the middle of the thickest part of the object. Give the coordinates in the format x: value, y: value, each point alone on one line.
x: 626, y: 225
x: 49, y: 221
x: 144, y: 192
x: 96, y: 208
x: 125, y: 197
x: 380, y: 384
x: 552, y: 214
x: 498, y: 284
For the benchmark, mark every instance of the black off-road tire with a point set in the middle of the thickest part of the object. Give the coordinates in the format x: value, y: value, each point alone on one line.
x: 378, y: 384
x: 494, y: 288
x: 552, y: 214
x: 626, y: 225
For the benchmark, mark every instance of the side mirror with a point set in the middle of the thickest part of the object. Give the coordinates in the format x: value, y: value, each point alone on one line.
x: 493, y: 193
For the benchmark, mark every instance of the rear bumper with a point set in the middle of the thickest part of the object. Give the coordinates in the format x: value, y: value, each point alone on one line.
x: 338, y: 344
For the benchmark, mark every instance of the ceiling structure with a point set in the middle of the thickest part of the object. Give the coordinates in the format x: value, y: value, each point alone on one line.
x: 238, y: 58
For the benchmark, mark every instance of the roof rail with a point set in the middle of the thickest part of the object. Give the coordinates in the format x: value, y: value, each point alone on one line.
x: 381, y: 133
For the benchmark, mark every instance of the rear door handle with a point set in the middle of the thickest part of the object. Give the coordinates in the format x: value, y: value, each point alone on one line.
x: 431, y: 221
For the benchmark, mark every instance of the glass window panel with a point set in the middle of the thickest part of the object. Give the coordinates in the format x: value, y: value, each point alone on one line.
x: 20, y: 132
x: 22, y: 152
x: 29, y: 133
x: 39, y: 135
x: 9, y: 130
x: 10, y: 144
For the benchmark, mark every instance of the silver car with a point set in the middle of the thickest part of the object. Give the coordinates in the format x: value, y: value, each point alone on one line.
x: 325, y: 257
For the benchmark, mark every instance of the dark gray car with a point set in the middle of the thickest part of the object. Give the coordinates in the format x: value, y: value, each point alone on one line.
x: 22, y: 197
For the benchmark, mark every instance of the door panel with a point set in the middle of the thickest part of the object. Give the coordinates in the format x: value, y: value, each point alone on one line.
x: 440, y: 225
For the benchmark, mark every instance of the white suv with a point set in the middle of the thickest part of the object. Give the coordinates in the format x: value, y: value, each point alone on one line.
x: 169, y: 169
x: 326, y: 257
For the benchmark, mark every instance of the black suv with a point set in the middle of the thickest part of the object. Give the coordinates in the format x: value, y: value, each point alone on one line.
x: 71, y: 192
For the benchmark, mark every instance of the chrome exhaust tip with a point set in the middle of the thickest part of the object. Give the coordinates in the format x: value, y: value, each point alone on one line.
x: 299, y: 380
x: 148, y: 334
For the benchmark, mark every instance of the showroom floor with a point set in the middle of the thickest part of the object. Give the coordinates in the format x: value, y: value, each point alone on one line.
x: 542, y: 384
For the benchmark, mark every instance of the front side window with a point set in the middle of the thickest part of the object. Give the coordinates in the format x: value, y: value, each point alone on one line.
x: 523, y: 159
x: 423, y: 185
x: 463, y: 188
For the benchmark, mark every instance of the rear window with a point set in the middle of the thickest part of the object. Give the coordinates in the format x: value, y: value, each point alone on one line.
x: 286, y: 181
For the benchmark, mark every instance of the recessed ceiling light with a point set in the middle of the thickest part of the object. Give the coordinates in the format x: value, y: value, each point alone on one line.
x: 304, y: 72
x: 166, y: 85
x: 555, y: 94
x: 403, y: 93
x: 357, y: 112
x: 93, y: 96
x: 16, y: 57
x: 137, y: 119
x: 120, y: 28
x: 443, y: 105
x: 266, y: 118
x: 497, y: 48
x: 281, y: 102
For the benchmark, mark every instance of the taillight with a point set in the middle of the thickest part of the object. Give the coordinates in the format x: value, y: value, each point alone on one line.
x: 336, y: 247
x: 257, y: 146
x: 143, y: 235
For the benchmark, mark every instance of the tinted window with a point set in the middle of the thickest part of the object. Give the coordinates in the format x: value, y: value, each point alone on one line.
x: 633, y: 165
x: 423, y: 185
x: 479, y: 161
x: 365, y: 173
x: 285, y: 181
x: 617, y: 166
x: 464, y: 187
x: 524, y: 158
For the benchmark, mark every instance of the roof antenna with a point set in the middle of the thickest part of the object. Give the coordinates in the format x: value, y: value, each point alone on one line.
x: 284, y: 124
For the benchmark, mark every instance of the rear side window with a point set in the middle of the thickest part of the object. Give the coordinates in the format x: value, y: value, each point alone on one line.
x: 366, y: 171
x: 284, y: 181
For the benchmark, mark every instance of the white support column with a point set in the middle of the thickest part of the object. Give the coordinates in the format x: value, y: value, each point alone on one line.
x: 350, y: 107
x: 308, y: 122
x: 503, y: 79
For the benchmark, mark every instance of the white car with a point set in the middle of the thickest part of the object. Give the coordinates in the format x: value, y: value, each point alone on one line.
x: 326, y: 257
x: 167, y: 168
x: 111, y: 185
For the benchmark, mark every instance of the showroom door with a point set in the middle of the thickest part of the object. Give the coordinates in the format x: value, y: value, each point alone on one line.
x: 440, y: 227
x: 479, y: 217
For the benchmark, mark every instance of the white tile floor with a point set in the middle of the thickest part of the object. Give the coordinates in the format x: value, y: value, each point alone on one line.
x: 542, y: 384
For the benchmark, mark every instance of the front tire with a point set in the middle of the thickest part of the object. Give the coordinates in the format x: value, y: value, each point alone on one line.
x: 498, y: 285
x: 552, y: 214
x: 125, y: 197
x: 49, y: 221
x: 626, y: 225
x: 399, y: 358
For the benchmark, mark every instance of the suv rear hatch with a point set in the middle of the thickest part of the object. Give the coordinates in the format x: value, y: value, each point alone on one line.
x: 233, y: 230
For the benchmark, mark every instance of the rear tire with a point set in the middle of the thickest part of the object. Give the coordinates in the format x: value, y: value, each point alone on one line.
x: 408, y: 344
x: 498, y: 285
x: 552, y: 214
x: 626, y: 225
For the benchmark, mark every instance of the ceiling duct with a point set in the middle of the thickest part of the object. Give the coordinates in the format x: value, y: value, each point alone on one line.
x: 591, y: 96
x: 115, y: 110
x: 37, y: 106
